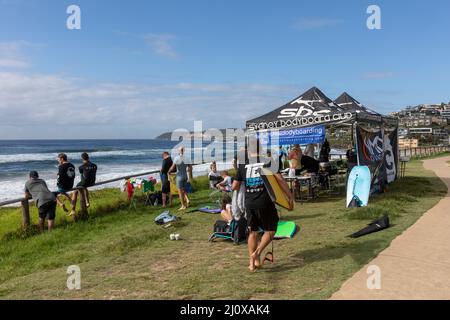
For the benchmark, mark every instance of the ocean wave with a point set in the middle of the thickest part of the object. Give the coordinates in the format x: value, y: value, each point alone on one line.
x: 30, y: 157
x: 12, y: 187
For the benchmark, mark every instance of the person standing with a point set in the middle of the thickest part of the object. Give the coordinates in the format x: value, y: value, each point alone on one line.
x: 65, y: 179
x: 165, y: 182
x: 181, y: 167
x: 261, y: 211
x: 294, y: 157
x: 44, y: 199
x: 281, y: 156
x: 352, y: 158
x: 88, y: 172
x: 324, y: 155
x: 310, y: 150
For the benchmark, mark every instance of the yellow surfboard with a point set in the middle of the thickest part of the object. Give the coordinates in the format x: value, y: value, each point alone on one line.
x: 273, y: 188
x: 173, y: 183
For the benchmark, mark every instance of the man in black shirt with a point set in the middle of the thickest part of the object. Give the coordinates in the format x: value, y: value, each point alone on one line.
x: 88, y: 172
x: 65, y: 179
x: 260, y: 209
x: 165, y: 182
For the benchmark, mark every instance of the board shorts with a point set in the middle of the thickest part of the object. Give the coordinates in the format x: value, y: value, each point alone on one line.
x: 181, y: 183
x: 82, y: 184
x: 166, y: 187
x: 265, y: 219
x: 48, y: 210
x: 62, y: 190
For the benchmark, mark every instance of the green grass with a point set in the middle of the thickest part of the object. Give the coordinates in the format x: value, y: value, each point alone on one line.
x: 122, y: 253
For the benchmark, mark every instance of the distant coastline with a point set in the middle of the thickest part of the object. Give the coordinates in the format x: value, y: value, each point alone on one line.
x: 167, y: 136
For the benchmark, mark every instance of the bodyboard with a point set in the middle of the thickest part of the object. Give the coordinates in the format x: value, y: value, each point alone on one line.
x: 212, y: 210
x: 273, y: 188
x: 173, y: 184
x: 358, y: 187
x: 285, y: 230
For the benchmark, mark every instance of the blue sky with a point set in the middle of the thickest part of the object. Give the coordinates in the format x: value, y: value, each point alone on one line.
x: 137, y: 68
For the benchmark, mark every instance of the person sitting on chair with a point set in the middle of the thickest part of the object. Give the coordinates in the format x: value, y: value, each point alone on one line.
x: 226, y: 212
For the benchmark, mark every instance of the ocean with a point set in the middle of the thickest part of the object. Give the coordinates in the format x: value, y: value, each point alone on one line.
x: 114, y: 158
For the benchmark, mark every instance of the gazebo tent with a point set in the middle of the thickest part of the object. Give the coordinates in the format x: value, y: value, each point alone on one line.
x: 314, y: 109
x: 348, y: 103
x: 309, y: 109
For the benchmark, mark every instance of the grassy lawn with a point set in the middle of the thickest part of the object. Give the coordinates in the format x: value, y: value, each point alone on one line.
x: 122, y: 253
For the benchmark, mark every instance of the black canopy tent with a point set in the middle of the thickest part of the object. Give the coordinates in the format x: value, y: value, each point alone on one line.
x: 309, y: 109
x: 314, y: 108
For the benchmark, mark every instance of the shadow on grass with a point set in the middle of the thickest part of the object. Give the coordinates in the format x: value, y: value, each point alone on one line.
x: 361, y: 251
x: 301, y: 217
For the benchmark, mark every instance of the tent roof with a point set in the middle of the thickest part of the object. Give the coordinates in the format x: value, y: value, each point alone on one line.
x: 348, y: 103
x: 311, y: 108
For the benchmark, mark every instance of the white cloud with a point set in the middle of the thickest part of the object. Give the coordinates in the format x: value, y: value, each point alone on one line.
x: 10, y: 55
x: 54, y: 106
x: 315, y: 23
x: 161, y: 44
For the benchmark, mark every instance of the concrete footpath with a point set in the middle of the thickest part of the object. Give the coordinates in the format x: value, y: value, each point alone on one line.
x: 417, y: 263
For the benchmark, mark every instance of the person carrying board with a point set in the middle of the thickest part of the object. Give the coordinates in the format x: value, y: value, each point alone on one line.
x: 260, y: 209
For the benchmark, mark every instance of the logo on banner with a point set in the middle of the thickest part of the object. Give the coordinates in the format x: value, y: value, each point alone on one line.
x: 300, y: 112
x: 390, y: 156
x: 299, y: 121
x: 370, y: 147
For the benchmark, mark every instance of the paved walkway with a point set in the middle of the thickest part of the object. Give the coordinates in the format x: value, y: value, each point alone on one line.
x: 417, y: 263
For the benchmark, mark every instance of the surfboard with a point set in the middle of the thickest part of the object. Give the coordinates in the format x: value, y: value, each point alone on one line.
x: 173, y: 184
x: 273, y: 188
x: 358, y: 187
x: 285, y: 230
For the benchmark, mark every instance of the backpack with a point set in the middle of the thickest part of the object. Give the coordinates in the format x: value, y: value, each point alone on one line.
x: 221, y: 226
x: 154, y: 199
x: 166, y: 217
x: 240, y: 230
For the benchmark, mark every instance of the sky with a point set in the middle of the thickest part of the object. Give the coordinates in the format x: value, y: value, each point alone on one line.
x: 138, y: 68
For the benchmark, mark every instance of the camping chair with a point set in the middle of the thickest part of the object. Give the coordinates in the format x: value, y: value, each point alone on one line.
x: 147, y: 189
x: 231, y: 232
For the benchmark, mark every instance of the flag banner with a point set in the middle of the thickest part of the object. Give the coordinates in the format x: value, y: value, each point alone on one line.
x: 390, y: 155
x: 370, y: 147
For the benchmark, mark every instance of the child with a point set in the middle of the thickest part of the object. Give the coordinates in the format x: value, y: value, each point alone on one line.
x: 226, y: 213
x: 225, y: 185
x: 214, y: 176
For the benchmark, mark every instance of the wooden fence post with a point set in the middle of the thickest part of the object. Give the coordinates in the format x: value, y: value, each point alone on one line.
x: 25, y: 214
x: 83, y: 207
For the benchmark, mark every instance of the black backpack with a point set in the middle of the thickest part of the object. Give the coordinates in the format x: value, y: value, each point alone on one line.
x: 240, y: 231
x: 221, y: 226
x: 154, y: 199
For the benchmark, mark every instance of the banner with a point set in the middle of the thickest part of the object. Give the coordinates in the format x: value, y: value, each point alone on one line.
x: 370, y: 147
x: 303, y: 136
x: 390, y: 155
